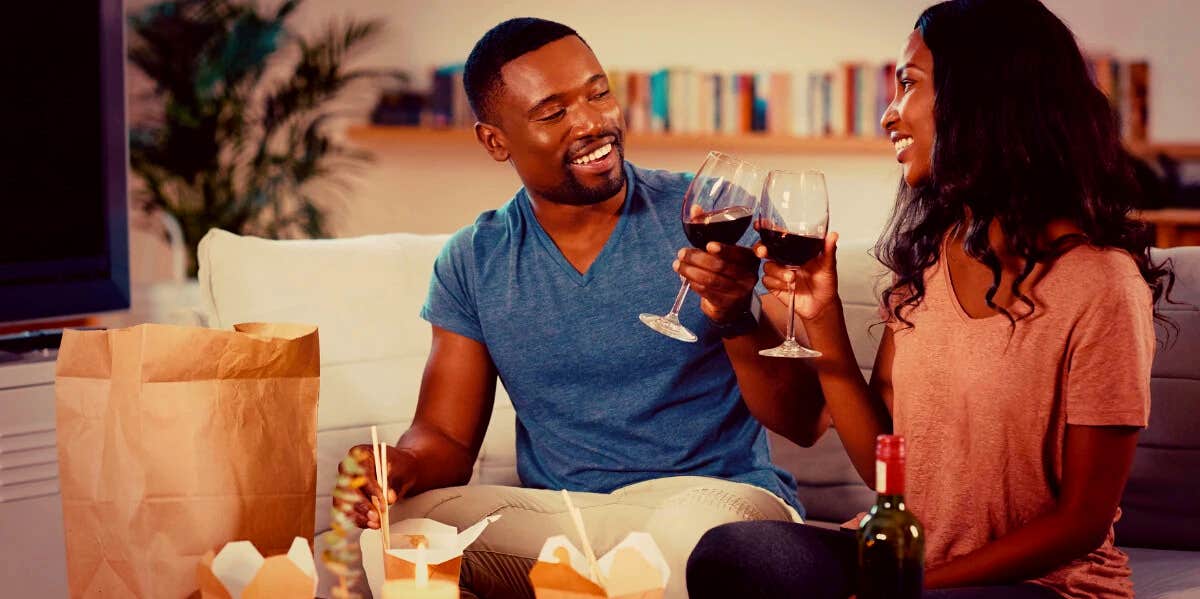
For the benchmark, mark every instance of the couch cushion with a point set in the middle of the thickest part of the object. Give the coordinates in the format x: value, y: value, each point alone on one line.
x: 826, y: 482
x: 1160, y: 574
x: 365, y: 295
x: 1159, y: 505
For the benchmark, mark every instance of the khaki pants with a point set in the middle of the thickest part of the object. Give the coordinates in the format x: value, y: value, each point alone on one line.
x: 676, y: 511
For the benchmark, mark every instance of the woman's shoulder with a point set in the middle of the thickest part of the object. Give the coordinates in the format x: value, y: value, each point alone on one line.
x: 1093, y: 273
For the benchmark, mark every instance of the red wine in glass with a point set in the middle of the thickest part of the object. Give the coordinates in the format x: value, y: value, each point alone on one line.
x: 790, y: 249
x: 725, y: 226
x: 791, y: 220
x: 718, y: 206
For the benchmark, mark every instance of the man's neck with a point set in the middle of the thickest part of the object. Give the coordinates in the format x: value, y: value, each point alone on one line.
x: 580, y: 232
x: 569, y: 220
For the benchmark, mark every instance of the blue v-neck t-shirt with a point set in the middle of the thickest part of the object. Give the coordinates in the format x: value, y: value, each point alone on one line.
x: 601, y: 400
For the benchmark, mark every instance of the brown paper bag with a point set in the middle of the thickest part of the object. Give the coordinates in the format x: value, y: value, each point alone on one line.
x: 173, y: 441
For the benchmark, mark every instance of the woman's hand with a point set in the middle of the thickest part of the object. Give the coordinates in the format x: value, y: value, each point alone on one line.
x: 814, y: 283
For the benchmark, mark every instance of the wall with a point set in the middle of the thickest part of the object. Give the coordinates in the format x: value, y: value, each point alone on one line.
x: 791, y: 34
x: 438, y: 189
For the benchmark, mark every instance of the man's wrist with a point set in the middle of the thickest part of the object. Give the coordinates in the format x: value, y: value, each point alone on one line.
x: 740, y: 321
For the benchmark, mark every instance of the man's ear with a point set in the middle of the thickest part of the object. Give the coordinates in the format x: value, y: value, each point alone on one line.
x: 492, y: 139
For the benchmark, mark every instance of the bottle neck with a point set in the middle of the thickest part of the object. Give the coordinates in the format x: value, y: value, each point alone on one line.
x: 889, y: 478
x: 890, y: 502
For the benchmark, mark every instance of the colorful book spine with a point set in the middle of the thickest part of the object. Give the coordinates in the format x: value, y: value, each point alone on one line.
x: 838, y: 103
x: 659, y: 101
x: 1137, y: 117
x: 745, y: 103
x: 779, y: 104
x: 865, y: 103
x: 799, y: 105
x: 730, y: 114
x: 762, y: 89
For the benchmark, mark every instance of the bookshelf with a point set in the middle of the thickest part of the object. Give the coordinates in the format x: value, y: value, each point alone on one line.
x: 753, y: 143
x: 1173, y: 227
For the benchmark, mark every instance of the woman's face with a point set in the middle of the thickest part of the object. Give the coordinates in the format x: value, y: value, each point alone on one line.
x: 909, y: 118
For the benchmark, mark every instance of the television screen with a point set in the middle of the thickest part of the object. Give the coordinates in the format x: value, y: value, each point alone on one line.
x: 64, y: 227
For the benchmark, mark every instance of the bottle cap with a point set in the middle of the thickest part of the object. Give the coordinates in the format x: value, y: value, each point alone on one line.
x: 890, y: 448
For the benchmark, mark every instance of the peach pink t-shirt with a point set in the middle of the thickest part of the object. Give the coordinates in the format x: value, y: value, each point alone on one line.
x: 984, y: 405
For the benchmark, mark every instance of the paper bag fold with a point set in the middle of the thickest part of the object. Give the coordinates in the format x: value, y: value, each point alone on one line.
x: 175, y: 440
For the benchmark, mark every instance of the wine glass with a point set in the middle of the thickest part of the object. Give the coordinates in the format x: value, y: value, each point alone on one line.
x: 718, y: 206
x: 791, y: 220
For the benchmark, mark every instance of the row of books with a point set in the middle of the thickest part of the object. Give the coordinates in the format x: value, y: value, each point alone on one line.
x: 844, y: 102
x: 847, y: 101
x: 1127, y: 85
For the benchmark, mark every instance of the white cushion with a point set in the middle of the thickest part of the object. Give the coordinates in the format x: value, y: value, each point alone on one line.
x: 365, y: 295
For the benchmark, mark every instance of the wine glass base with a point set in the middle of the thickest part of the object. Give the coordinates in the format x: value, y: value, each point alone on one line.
x: 790, y: 349
x: 669, y: 326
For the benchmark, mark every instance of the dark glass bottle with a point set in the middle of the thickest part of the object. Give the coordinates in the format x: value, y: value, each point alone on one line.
x: 891, y: 542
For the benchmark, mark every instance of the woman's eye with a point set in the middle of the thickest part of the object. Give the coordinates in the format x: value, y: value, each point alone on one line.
x: 601, y: 95
x: 905, y: 84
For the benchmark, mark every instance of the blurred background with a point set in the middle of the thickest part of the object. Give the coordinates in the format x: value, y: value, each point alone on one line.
x: 422, y: 181
x: 315, y: 118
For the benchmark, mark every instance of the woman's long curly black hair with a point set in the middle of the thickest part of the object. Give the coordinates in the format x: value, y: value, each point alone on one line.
x: 1023, y: 137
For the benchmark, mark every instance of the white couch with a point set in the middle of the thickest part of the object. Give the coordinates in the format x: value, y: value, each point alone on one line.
x: 365, y: 295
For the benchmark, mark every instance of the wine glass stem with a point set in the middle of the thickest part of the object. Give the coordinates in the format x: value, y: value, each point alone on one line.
x: 791, y: 332
x: 683, y: 289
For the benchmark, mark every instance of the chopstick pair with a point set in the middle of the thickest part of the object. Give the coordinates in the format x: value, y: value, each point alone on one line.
x: 381, y: 476
x: 577, y: 519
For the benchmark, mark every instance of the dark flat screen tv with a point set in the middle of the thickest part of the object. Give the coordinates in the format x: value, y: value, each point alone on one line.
x: 64, y: 228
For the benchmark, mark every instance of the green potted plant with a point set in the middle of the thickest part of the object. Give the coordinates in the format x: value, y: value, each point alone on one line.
x: 236, y: 134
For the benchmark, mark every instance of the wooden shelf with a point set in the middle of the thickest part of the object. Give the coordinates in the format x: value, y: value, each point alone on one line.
x: 375, y: 135
x: 749, y: 142
x: 1173, y: 226
x: 1178, y: 151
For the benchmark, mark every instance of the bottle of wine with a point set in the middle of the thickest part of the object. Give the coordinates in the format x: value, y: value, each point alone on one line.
x: 891, y: 542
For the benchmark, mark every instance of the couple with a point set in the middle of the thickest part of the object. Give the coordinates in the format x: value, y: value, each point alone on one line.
x: 1015, y: 355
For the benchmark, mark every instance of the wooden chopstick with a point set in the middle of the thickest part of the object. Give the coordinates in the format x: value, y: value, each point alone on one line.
x: 577, y: 519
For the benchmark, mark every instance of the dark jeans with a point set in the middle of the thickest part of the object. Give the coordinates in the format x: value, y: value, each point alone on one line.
x: 781, y: 559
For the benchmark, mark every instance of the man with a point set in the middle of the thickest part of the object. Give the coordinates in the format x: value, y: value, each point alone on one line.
x: 647, y: 432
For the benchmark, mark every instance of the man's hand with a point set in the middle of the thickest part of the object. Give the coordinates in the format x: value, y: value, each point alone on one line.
x: 723, y: 276
x: 400, y: 480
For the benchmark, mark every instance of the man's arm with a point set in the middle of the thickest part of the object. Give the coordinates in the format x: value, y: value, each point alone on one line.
x: 455, y: 404
x: 784, y: 395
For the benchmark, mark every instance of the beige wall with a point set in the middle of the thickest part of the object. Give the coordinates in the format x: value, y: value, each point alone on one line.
x: 439, y: 188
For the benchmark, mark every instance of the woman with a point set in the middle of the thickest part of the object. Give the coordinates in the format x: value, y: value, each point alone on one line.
x: 1019, y: 327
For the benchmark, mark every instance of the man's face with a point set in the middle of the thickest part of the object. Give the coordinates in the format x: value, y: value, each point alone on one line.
x: 563, y: 129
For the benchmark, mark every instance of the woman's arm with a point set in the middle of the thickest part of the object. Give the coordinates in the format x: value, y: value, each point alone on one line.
x: 860, y: 411
x: 1096, y: 463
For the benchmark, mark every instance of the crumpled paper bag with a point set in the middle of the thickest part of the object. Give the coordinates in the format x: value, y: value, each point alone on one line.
x: 175, y: 440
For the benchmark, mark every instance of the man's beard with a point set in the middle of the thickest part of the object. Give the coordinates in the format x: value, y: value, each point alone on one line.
x: 574, y: 193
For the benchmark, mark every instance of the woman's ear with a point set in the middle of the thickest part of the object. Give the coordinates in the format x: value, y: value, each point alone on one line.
x: 493, y: 140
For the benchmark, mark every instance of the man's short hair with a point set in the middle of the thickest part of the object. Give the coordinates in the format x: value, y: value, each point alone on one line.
x: 500, y: 45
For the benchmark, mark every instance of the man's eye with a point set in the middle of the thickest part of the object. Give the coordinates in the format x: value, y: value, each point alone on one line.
x: 554, y: 116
